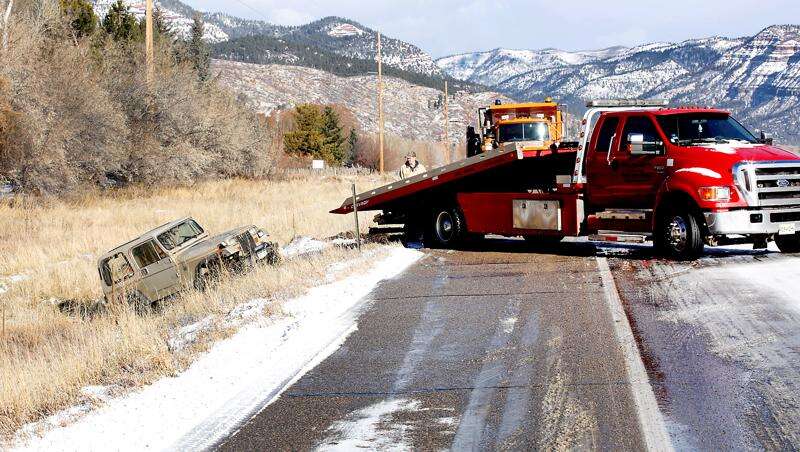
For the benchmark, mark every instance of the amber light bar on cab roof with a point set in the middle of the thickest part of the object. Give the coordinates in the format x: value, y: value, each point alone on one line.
x: 599, y: 103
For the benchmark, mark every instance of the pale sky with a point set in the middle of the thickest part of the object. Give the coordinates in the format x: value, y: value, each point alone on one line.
x: 456, y: 26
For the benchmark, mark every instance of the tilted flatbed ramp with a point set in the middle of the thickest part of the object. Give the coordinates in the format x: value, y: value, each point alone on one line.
x: 378, y: 198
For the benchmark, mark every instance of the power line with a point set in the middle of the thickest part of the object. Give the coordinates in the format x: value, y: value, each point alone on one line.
x: 253, y: 9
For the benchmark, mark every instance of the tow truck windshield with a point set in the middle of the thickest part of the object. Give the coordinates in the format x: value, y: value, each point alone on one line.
x: 698, y: 128
x: 531, y: 131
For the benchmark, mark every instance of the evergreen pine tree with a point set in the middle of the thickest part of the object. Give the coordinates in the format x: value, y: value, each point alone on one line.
x: 80, y: 15
x: 352, y: 144
x: 120, y: 23
x: 333, y: 151
x: 161, y: 28
x: 306, y: 139
x: 199, y: 52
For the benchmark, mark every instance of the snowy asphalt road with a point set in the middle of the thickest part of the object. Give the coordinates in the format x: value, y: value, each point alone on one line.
x: 500, y: 349
x: 721, y: 338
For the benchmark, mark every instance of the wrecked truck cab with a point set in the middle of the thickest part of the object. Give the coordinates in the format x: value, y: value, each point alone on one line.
x: 178, y: 255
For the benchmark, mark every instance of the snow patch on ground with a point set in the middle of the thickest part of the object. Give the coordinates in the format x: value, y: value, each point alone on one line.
x: 782, y: 277
x: 188, y: 334
x: 303, y: 245
x: 508, y: 324
x: 372, y: 428
x: 6, y: 281
x: 238, y: 377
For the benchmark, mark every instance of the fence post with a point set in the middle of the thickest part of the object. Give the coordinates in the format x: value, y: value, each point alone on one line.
x: 355, y: 214
x: 3, y: 333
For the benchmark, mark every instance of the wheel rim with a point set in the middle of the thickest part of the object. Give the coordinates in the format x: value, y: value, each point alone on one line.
x: 444, y: 227
x: 677, y: 233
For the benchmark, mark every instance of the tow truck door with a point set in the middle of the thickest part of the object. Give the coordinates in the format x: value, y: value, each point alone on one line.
x: 618, y: 178
x: 639, y: 173
x: 601, y: 177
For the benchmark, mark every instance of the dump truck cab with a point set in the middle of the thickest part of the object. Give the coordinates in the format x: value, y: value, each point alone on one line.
x: 525, y: 126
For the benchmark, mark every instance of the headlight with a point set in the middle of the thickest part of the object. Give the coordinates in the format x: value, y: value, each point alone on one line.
x: 715, y: 194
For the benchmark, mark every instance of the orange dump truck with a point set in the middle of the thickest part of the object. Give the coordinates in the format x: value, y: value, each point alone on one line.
x: 523, y: 126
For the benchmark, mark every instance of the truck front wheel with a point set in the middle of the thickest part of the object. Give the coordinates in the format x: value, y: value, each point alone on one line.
x: 679, y: 235
x: 446, y: 229
x: 788, y: 243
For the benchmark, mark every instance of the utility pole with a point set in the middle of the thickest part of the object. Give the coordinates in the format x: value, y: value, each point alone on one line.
x: 6, y: 18
x: 446, y: 127
x: 149, y: 43
x: 380, y: 107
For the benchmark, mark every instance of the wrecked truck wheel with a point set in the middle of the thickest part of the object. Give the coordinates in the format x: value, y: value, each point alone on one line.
x: 274, y: 256
x: 788, y: 243
x: 206, y: 276
x: 679, y: 235
x: 446, y: 230
x: 139, y: 302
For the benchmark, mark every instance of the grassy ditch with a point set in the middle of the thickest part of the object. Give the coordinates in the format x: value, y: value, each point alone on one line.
x: 48, y: 253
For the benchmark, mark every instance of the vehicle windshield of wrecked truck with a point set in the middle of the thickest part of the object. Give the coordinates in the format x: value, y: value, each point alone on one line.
x: 180, y: 234
x: 531, y: 131
x: 688, y: 129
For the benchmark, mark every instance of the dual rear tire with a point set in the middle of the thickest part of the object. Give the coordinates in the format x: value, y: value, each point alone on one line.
x: 446, y: 228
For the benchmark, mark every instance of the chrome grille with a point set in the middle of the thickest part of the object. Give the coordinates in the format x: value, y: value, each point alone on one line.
x: 771, y: 184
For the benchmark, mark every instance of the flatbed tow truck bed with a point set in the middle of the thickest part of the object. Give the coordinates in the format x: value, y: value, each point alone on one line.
x: 383, y: 197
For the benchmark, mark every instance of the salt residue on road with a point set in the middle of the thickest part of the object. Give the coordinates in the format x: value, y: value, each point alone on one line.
x: 235, y: 379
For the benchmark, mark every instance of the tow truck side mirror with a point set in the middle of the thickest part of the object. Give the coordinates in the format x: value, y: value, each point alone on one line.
x: 638, y: 146
x: 765, y: 138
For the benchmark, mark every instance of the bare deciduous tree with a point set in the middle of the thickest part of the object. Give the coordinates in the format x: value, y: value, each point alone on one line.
x: 6, y: 17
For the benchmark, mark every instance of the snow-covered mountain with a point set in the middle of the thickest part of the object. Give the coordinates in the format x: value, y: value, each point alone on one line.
x: 332, y: 34
x: 757, y: 77
x: 177, y: 15
x: 493, y: 67
x: 351, y: 39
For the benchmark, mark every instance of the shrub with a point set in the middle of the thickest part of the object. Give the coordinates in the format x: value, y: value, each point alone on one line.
x: 80, y: 15
x: 77, y: 114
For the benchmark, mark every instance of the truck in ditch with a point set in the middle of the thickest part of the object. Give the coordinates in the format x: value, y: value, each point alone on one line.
x: 683, y: 177
x: 179, y: 255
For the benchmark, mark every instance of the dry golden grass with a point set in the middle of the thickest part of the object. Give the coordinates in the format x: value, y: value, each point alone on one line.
x: 47, y: 356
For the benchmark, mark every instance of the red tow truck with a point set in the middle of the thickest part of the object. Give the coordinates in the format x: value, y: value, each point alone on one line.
x: 683, y: 177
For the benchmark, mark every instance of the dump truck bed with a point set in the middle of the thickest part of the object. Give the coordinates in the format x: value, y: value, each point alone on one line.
x: 379, y: 198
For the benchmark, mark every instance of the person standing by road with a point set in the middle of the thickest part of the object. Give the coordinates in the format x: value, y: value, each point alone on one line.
x: 412, y: 166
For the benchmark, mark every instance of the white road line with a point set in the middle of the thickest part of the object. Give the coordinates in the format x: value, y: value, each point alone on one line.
x: 651, y: 421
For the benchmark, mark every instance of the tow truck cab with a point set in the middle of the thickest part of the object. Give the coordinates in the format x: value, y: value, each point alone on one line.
x: 693, y: 175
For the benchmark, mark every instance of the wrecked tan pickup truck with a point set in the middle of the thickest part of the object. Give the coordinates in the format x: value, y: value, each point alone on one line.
x: 179, y: 255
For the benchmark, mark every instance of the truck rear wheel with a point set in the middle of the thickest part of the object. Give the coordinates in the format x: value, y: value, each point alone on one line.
x: 788, y: 243
x: 678, y: 234
x: 446, y: 228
